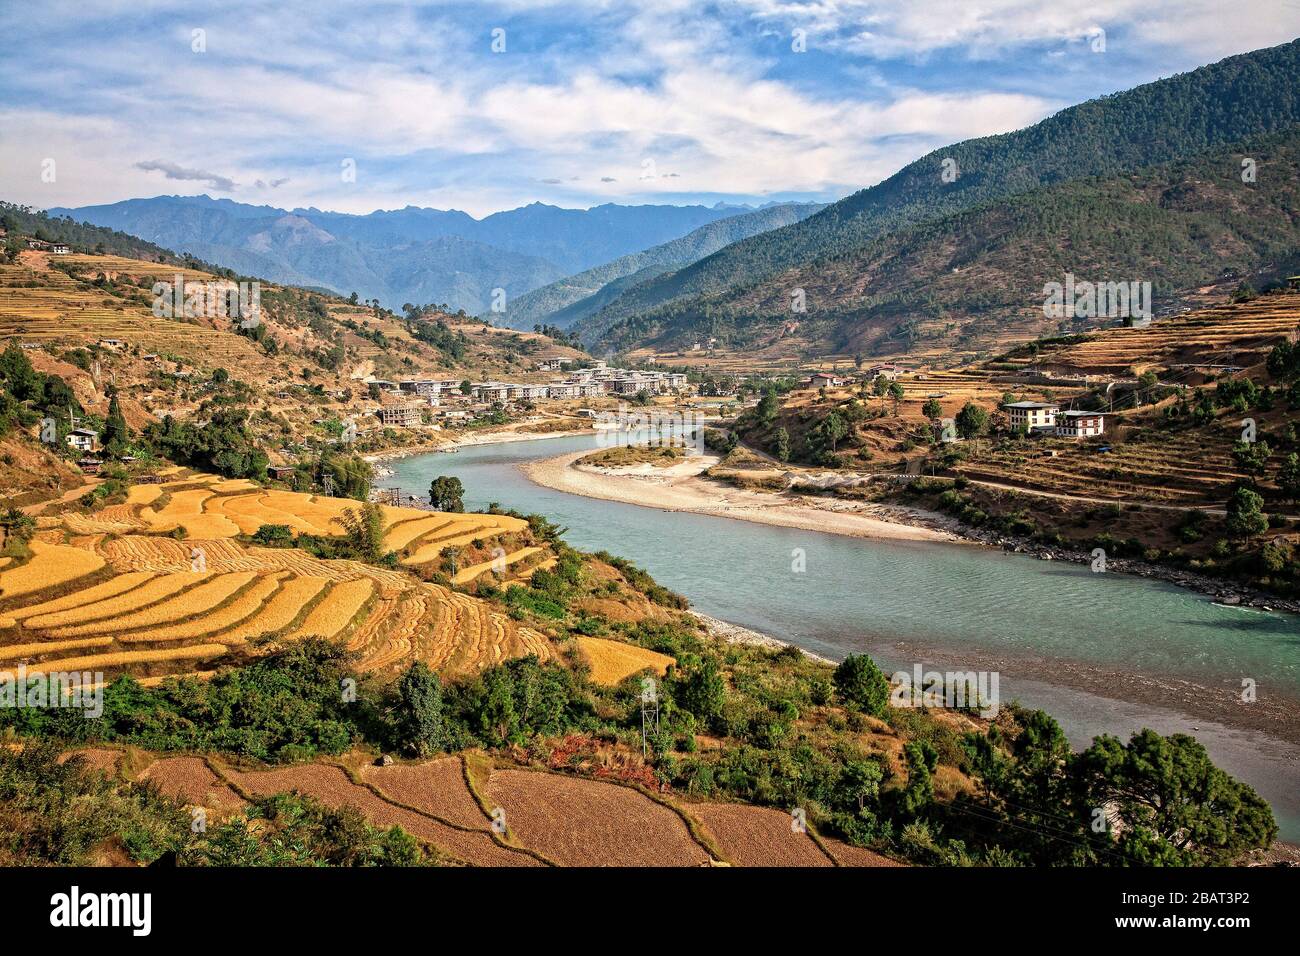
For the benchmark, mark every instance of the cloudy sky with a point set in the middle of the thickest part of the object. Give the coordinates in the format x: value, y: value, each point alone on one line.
x: 489, y: 106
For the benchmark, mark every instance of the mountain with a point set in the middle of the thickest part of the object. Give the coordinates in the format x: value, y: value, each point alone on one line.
x: 1171, y: 119
x: 564, y: 302
x: 405, y: 255
x: 972, y: 279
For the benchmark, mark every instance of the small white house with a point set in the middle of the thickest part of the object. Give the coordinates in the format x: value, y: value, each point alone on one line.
x: 83, y: 439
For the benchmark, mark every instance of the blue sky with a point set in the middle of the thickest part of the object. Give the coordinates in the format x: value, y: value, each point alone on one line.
x: 589, y: 102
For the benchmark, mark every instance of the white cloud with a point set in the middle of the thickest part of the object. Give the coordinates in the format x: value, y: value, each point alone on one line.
x: 431, y: 118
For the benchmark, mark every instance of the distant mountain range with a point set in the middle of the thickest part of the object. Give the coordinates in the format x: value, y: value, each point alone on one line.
x: 575, y: 297
x: 872, y: 263
x: 411, y: 255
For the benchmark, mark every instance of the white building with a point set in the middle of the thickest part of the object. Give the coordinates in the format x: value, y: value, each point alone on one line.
x: 83, y: 439
x: 563, y: 390
x: 1079, y: 424
x: 1032, y: 416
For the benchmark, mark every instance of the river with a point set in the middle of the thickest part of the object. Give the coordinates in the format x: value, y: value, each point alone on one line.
x: 1103, y: 653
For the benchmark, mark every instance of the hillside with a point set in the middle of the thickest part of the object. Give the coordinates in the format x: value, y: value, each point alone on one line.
x: 1171, y: 119
x: 89, y: 319
x: 563, y: 303
x: 407, y: 255
x: 1169, y: 483
x: 974, y: 281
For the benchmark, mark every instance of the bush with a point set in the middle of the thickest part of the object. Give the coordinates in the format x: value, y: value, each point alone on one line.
x: 860, y: 683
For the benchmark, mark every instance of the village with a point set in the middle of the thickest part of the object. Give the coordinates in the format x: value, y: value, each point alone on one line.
x: 450, y: 400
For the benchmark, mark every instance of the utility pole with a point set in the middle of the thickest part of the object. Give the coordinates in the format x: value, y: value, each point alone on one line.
x: 649, y: 711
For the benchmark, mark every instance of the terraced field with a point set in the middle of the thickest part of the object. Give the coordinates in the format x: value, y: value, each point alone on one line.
x: 612, y: 662
x: 118, y: 596
x: 50, y: 306
x: 552, y: 819
x: 1239, y: 334
x: 1166, y: 468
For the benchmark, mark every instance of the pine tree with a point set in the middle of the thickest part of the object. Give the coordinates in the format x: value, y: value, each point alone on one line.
x: 115, y: 435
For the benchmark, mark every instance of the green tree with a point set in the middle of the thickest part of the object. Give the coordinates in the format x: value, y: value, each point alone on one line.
x: 932, y: 410
x: 18, y: 375
x: 783, y: 445
x: 420, y: 728
x: 1246, y: 517
x: 858, y: 681
x: 352, y: 475
x: 896, y: 394
x: 363, y: 530
x: 446, y: 494
x: 115, y: 435
x: 1176, y: 808
x: 702, y: 691
x: 921, y: 759
x: 768, y: 407
x: 831, y: 430
x: 1288, y: 477
x: 971, y: 420
x: 1252, y: 457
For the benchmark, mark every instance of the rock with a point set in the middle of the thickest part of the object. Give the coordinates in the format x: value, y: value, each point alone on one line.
x: 384, y: 761
x: 1230, y: 599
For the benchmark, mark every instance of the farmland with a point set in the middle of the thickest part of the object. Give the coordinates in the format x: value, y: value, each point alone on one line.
x: 550, y: 819
x: 167, y: 587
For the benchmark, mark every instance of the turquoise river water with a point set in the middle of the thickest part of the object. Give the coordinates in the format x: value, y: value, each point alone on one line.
x: 1103, y: 653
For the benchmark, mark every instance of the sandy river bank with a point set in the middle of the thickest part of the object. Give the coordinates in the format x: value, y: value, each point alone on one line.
x: 682, y: 489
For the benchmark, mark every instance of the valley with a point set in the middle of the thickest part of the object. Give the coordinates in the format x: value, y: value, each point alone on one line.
x: 933, y: 505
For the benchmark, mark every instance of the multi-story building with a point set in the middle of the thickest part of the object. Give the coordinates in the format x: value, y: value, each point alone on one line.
x: 1032, y: 416
x: 400, y: 414
x: 1072, y: 424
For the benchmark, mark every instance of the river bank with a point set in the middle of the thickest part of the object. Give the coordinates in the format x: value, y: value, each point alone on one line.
x: 470, y: 440
x: 682, y: 489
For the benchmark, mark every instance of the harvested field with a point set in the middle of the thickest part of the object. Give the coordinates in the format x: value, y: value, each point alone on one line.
x: 143, y: 494
x: 110, y: 588
x: 437, y: 787
x: 153, y: 590
x: 848, y: 855
x: 578, y: 822
x: 123, y: 659
x: 14, y: 652
x: 50, y: 565
x: 102, y: 759
x: 189, y: 779
x: 337, y: 610
x: 331, y: 786
x: 403, y: 533
x: 465, y: 575
x: 243, y: 606
x: 196, y: 600
x: 156, y: 600
x: 757, y: 836
x: 278, y: 613
x: 612, y: 662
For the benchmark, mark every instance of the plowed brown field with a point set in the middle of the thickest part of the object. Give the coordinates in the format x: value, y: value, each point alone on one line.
x: 578, y: 822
